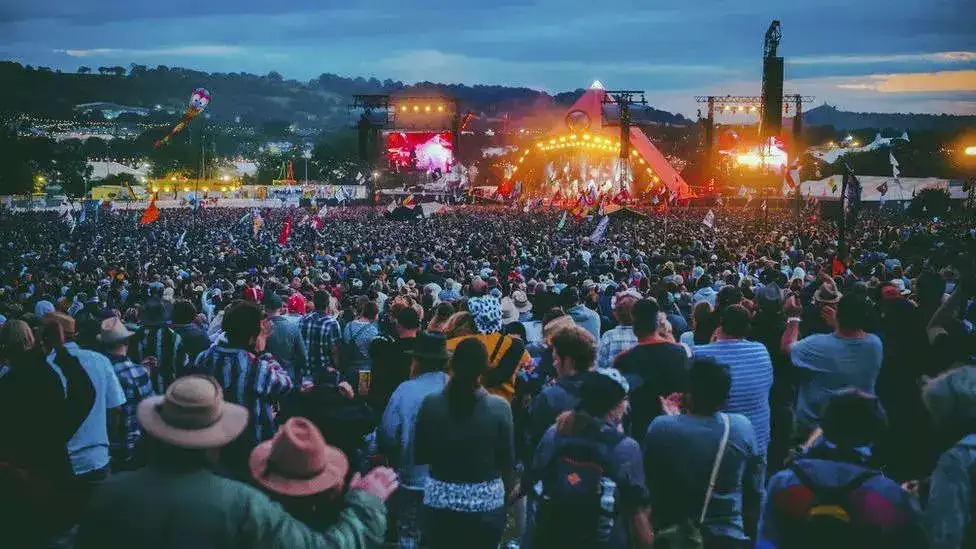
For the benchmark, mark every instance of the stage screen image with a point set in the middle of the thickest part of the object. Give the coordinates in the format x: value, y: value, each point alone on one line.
x: 425, y: 151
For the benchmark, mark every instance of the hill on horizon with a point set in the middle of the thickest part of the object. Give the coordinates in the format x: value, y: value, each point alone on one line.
x: 320, y: 103
x: 827, y: 115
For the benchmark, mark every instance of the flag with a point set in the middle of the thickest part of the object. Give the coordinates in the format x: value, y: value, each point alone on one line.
x: 853, y: 198
x: 69, y: 219
x: 562, y: 221
x: 409, y: 202
x: 600, y: 229
x: 791, y: 174
x: 179, y: 243
x: 150, y: 214
x: 81, y: 216
x: 257, y: 222
x: 895, y: 172
x: 833, y: 185
x: 837, y: 268
x: 285, y: 232
x: 528, y: 205
x: 709, y: 220
x: 390, y: 207
x: 882, y: 188
x: 763, y: 205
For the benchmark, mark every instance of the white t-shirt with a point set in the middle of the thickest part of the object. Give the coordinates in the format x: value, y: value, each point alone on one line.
x: 88, y: 448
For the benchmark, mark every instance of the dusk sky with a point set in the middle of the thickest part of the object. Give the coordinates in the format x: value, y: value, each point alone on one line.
x: 893, y: 56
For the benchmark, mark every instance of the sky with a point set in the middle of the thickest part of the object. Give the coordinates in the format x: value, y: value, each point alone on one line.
x: 892, y: 56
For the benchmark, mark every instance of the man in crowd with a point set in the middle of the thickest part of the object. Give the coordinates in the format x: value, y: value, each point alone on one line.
x: 656, y: 366
x: 321, y: 332
x: 582, y: 315
x: 848, y: 357
x: 285, y: 341
x: 124, y: 433
x: 157, y: 346
x: 621, y: 338
x: 750, y: 368
x: 192, y: 336
x: 392, y: 359
x: 572, y: 355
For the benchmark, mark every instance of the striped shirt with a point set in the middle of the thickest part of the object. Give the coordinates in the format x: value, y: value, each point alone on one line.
x: 321, y: 334
x: 752, y: 377
x: 136, y: 385
x: 250, y: 381
x: 166, y: 346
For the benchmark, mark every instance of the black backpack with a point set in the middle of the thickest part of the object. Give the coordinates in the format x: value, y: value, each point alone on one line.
x: 578, y: 494
x: 830, y: 522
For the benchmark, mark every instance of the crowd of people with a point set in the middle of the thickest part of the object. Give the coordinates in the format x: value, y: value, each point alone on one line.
x: 486, y: 378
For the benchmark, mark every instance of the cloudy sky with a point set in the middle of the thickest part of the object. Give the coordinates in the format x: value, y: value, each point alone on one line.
x: 892, y: 56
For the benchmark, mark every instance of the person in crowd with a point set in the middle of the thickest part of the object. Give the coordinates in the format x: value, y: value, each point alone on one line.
x: 816, y: 318
x: 35, y: 469
x: 522, y: 305
x: 89, y: 447
x: 951, y: 402
x: 582, y: 315
x: 702, y: 326
x: 321, y: 332
x: 506, y: 355
x: 585, y: 456
x: 826, y: 363
x: 248, y: 376
x: 307, y: 476
x: 621, y: 338
x: 459, y: 324
x: 356, y: 337
x: 285, y: 342
x: 573, y: 354
x: 466, y: 437
x: 831, y: 496
x: 177, y: 500
x: 136, y: 384
x: 158, y: 347
x: 704, y: 467
x: 750, y: 368
x: 656, y: 366
x: 193, y: 337
x: 442, y: 313
x: 396, y: 433
x: 391, y: 358
x: 768, y: 325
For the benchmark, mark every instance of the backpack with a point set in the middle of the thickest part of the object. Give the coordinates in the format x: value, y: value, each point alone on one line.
x: 577, y: 503
x: 830, y: 522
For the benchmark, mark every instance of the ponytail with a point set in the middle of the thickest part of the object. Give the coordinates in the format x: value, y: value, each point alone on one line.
x: 469, y: 363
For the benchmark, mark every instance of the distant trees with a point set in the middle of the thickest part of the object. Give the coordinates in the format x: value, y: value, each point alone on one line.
x: 116, y: 71
x: 84, y: 70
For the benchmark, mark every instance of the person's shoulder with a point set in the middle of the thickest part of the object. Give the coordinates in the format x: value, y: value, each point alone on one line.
x: 741, y: 425
x: 495, y: 402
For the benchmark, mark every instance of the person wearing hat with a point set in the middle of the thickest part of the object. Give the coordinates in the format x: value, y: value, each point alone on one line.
x: 506, y: 355
x: 680, y: 453
x: 158, y: 347
x: 124, y: 432
x: 395, y: 435
x: 178, y: 500
x: 848, y: 357
x: 285, y: 341
x: 592, y: 427
x: 837, y: 460
x: 522, y: 305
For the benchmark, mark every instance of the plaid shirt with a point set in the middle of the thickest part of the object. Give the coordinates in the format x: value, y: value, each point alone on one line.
x: 254, y: 382
x: 322, y: 334
x: 137, y: 386
x: 612, y: 343
x: 166, y: 346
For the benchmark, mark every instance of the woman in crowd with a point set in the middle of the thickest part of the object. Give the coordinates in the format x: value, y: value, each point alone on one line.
x: 701, y: 326
x: 466, y: 436
x: 442, y: 313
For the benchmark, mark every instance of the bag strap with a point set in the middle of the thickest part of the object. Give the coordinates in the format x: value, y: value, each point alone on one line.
x: 836, y: 493
x: 498, y: 346
x: 718, y: 463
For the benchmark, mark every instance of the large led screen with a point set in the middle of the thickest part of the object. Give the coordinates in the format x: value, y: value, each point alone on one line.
x: 425, y: 151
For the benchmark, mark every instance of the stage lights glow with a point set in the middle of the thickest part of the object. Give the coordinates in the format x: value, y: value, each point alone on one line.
x: 420, y: 107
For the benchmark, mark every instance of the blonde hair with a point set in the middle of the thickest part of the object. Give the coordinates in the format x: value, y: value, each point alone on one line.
x: 16, y: 338
x: 459, y: 324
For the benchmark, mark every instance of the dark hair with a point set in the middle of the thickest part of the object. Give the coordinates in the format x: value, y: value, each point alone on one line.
x: 321, y: 300
x: 369, y: 309
x: 183, y: 312
x: 735, y: 321
x: 242, y: 322
x: 645, y: 316
x: 853, y: 312
x: 599, y: 394
x: 727, y: 296
x: 853, y: 418
x: 515, y: 329
x: 443, y: 311
x: 709, y: 384
x: 469, y: 363
x: 570, y: 296
x: 408, y: 319
x: 576, y: 343
x: 704, y: 324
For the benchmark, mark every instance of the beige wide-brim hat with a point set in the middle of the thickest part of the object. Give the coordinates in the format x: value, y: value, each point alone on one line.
x: 192, y: 414
x: 298, y: 462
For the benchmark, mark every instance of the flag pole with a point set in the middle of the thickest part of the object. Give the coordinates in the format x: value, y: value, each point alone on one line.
x: 842, y: 220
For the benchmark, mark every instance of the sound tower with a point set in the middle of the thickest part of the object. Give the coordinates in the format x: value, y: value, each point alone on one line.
x: 771, y: 123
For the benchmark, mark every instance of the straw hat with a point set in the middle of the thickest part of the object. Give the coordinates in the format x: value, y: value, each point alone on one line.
x: 827, y: 293
x: 298, y: 462
x: 192, y: 414
x: 521, y: 301
x: 113, y: 331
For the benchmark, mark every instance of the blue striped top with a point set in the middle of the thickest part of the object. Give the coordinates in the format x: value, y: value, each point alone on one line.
x: 752, y: 377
